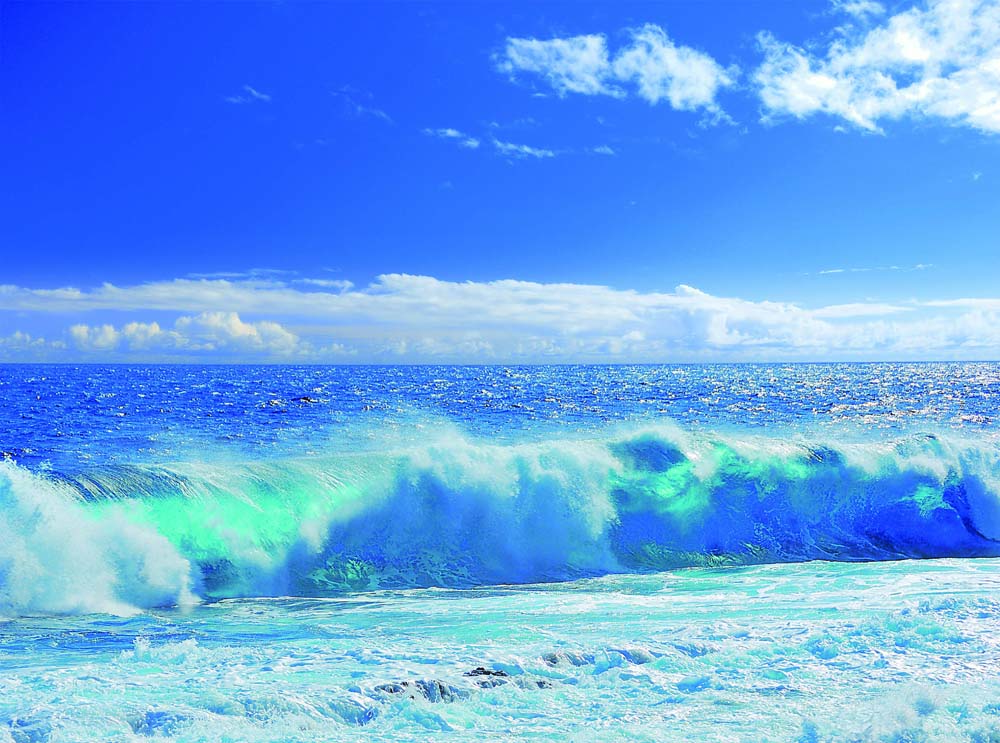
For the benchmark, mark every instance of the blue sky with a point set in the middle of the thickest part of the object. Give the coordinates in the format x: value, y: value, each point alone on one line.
x: 500, y: 182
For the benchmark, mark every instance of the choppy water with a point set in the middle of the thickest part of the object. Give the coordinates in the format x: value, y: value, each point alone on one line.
x: 156, y: 523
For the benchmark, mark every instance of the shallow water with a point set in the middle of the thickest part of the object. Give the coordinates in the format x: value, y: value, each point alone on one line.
x: 584, y: 553
x: 797, y: 652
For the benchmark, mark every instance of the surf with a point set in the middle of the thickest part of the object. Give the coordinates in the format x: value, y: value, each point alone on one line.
x: 460, y: 511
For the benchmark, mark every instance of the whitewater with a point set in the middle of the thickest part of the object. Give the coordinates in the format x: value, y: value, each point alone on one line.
x: 715, y: 552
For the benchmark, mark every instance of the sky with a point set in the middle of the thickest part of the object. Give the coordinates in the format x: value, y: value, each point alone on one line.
x: 499, y: 182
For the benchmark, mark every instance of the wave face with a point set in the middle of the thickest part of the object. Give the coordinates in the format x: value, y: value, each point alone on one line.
x: 460, y: 512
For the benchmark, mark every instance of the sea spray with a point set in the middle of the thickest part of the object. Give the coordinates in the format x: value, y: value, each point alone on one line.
x: 457, y: 511
x: 58, y: 555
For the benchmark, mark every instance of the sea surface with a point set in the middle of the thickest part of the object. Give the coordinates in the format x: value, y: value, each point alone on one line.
x: 795, y: 553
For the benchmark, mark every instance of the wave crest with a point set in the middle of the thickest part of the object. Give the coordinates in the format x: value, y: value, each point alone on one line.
x: 461, y: 512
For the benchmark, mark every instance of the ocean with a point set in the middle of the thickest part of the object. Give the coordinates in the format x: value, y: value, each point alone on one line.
x: 796, y: 553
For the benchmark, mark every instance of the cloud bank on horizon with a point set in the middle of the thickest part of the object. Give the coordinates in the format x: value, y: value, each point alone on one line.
x: 632, y: 155
x: 404, y: 318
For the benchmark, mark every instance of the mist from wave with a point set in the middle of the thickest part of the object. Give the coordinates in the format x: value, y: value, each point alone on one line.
x: 459, y: 511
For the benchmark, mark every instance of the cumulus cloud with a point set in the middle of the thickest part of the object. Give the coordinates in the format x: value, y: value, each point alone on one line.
x: 99, y: 338
x: 214, y: 330
x: 221, y: 333
x: 650, y: 65
x: 22, y: 346
x: 578, y: 64
x: 661, y: 70
x: 401, y: 317
x: 938, y: 61
x: 19, y: 340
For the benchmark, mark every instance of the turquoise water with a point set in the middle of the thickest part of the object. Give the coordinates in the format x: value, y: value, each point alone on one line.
x: 902, y: 651
x: 585, y: 553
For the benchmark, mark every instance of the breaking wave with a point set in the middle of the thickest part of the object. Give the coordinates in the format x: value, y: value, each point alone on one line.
x: 461, y: 512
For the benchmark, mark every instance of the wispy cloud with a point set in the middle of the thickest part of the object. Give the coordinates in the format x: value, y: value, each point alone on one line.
x: 859, y: 309
x: 338, y: 284
x: 510, y: 150
x: 460, y: 138
x: 249, y: 95
x: 862, y: 9
x: 975, y: 303
x: 521, y: 151
x: 869, y: 269
x: 938, y: 61
x: 522, y: 122
x: 651, y: 66
x: 358, y: 103
x: 421, y: 318
x: 250, y: 273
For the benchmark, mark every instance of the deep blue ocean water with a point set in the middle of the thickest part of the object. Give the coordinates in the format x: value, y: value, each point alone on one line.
x: 723, y: 553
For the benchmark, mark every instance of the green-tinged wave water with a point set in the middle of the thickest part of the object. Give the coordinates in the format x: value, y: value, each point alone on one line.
x: 460, y: 512
x: 291, y: 554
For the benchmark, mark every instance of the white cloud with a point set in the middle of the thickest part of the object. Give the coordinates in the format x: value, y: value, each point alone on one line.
x: 578, y: 64
x: 521, y: 122
x: 463, y: 140
x: 101, y: 338
x: 353, y: 98
x: 249, y: 95
x: 207, y: 333
x: 401, y: 317
x: 20, y: 346
x: 657, y: 68
x: 859, y: 8
x: 510, y: 149
x: 939, y: 61
x: 20, y: 341
x: 859, y: 309
x: 685, y: 77
x: 252, y: 273
x: 870, y: 269
x: 214, y: 330
x: 981, y: 303
x: 338, y: 284
x: 360, y: 109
